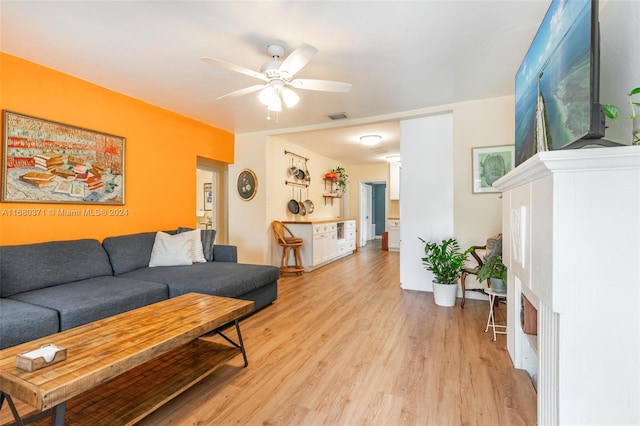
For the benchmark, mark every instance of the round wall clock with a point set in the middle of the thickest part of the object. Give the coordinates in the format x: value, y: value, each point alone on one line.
x: 247, y: 184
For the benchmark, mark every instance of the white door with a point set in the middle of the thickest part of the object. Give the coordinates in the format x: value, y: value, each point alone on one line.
x: 366, y: 211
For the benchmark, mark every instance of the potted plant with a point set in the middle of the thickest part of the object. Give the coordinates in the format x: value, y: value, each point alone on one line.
x: 492, y: 268
x: 613, y: 112
x: 446, y: 261
x: 343, y: 178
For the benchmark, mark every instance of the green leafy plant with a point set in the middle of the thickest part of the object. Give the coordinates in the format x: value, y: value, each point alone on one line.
x: 343, y: 177
x: 493, y: 268
x: 445, y: 260
x: 613, y: 112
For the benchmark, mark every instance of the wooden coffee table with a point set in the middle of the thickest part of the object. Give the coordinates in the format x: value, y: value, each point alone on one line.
x: 122, y: 368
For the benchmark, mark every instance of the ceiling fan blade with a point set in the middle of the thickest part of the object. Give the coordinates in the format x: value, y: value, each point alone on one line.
x: 242, y: 92
x: 320, y: 85
x: 298, y: 59
x: 236, y: 68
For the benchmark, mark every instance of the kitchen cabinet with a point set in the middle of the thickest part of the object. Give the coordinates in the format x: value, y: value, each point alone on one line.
x: 325, y: 241
x: 394, y: 181
x: 393, y: 229
x: 346, y: 237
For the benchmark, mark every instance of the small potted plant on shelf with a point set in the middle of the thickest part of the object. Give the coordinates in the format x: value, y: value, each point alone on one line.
x: 613, y: 112
x: 446, y: 261
x: 343, y: 178
x: 493, y: 269
x: 340, y: 176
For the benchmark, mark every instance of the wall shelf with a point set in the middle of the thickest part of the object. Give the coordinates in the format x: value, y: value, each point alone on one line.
x: 331, y: 197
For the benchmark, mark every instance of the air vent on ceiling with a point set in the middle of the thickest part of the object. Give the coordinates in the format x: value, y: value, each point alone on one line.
x: 338, y: 116
x: 378, y: 150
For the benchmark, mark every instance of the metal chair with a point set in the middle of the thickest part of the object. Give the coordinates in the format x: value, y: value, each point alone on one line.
x: 289, y: 243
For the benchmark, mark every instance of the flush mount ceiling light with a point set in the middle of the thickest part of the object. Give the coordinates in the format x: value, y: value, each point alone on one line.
x: 370, y: 140
x: 393, y: 158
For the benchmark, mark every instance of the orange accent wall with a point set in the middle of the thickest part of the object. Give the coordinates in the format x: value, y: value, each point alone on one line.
x: 160, y: 156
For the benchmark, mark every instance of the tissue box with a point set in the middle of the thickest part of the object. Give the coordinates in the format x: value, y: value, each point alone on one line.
x: 45, y: 356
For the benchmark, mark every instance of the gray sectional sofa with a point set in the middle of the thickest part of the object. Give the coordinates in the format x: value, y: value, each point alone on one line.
x: 53, y: 286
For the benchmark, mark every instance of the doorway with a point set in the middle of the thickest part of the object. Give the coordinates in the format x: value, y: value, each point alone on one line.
x: 373, y: 210
x: 211, y: 197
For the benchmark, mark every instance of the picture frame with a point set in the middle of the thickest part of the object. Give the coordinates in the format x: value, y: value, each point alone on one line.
x: 490, y: 164
x: 247, y: 184
x: 208, y: 196
x: 45, y: 161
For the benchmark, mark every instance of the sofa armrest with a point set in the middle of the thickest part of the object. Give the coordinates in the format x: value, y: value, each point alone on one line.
x: 225, y: 253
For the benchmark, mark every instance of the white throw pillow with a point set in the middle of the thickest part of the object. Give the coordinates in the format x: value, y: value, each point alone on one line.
x: 172, y: 250
x: 197, y: 254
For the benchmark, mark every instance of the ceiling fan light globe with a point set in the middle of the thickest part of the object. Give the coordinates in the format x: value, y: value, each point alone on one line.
x: 290, y: 97
x: 267, y: 95
x: 275, y: 105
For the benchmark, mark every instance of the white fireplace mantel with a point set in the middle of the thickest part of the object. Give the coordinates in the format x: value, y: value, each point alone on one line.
x: 571, y: 225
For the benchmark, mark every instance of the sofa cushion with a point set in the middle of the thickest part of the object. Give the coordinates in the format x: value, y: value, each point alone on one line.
x: 129, y: 252
x: 216, y: 278
x: 89, y: 300
x: 207, y: 237
x: 172, y: 250
x: 35, y: 266
x: 21, y: 322
x: 198, y: 254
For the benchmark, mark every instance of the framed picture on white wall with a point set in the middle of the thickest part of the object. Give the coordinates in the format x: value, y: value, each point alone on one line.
x: 489, y: 164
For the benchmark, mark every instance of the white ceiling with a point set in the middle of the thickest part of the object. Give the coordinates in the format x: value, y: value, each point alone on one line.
x: 399, y: 56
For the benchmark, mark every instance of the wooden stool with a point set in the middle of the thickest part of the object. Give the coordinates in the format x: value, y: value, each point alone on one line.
x: 288, y: 243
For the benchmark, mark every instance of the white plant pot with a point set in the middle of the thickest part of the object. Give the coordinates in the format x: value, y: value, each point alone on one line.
x: 445, y: 294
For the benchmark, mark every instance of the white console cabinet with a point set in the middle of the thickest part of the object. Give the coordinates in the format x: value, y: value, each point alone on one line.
x: 393, y: 229
x: 324, y: 241
x: 571, y: 226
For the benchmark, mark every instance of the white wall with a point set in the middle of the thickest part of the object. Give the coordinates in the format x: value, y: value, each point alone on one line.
x: 426, y: 200
x: 248, y: 226
x: 474, y: 217
x: 488, y: 122
x: 619, y: 61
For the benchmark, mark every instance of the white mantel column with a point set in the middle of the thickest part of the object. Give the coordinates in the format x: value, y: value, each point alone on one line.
x: 571, y: 224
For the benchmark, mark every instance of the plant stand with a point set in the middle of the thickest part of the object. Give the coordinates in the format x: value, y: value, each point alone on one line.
x: 491, y: 323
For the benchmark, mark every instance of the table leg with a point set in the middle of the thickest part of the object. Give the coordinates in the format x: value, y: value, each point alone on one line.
x: 12, y: 407
x: 237, y: 345
x: 57, y: 415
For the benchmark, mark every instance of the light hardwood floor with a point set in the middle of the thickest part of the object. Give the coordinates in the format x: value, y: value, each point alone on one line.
x: 344, y: 345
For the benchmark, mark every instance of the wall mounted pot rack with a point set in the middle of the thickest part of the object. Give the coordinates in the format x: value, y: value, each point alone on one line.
x: 295, y: 155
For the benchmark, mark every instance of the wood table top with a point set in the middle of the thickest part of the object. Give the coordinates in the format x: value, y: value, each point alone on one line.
x: 102, y: 350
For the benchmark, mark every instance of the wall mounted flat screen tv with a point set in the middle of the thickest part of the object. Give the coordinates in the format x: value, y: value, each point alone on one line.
x: 557, y: 84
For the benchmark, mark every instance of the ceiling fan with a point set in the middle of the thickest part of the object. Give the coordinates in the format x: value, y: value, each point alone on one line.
x: 278, y: 75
